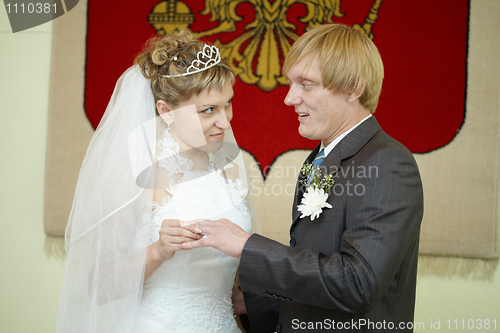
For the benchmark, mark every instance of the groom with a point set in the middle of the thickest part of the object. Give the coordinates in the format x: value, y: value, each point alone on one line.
x: 352, y: 268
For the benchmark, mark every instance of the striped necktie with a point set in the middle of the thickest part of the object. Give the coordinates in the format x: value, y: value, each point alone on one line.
x: 317, y: 161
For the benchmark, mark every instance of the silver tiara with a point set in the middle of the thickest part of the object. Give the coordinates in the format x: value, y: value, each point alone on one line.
x: 208, y: 57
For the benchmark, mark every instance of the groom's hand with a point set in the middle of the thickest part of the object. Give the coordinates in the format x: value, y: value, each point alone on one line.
x: 222, y: 235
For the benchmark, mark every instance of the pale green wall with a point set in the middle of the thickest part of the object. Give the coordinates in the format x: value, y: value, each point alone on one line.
x: 30, y: 282
x: 450, y: 298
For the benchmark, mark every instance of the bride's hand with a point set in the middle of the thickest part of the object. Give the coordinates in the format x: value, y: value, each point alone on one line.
x: 172, y: 235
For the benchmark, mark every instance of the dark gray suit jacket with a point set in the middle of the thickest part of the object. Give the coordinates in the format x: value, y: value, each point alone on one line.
x: 354, y: 268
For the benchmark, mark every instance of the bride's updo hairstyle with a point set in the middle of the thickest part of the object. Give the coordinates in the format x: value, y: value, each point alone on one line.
x: 172, y: 55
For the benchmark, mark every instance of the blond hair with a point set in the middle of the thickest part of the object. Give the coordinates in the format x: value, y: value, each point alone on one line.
x: 173, y: 54
x: 347, y: 59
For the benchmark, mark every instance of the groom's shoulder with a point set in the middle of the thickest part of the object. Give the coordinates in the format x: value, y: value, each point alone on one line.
x: 382, y: 144
x: 378, y: 138
x: 383, y: 140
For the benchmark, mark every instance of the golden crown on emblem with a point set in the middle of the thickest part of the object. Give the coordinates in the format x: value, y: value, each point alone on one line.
x: 170, y: 15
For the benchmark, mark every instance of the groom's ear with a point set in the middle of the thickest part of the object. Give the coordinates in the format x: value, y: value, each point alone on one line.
x: 356, y: 94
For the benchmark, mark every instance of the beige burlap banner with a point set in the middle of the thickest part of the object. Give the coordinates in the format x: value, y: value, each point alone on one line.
x: 460, y: 180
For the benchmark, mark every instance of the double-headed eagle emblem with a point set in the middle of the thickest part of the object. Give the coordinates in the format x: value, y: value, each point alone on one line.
x: 256, y: 54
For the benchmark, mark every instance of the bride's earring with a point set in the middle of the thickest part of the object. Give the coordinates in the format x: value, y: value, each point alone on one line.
x: 168, y: 124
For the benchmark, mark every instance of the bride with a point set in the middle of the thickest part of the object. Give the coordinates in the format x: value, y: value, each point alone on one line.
x: 162, y: 157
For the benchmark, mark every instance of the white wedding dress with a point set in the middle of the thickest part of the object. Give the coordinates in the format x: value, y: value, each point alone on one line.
x: 192, y: 291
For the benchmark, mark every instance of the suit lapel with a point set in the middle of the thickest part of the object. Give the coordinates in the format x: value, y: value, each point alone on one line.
x: 346, y: 148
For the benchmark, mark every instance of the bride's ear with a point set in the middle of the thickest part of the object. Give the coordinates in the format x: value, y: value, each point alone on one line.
x: 164, y: 110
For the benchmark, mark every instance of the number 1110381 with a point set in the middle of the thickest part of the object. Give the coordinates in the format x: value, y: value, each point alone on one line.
x: 30, y: 8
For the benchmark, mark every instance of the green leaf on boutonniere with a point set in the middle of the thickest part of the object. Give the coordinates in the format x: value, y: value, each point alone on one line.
x: 317, y: 181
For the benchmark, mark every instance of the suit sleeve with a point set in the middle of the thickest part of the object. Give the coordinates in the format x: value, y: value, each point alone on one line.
x: 380, y: 226
x: 262, y: 314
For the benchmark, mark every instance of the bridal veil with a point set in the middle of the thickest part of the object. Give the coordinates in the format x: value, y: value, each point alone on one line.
x: 107, y: 236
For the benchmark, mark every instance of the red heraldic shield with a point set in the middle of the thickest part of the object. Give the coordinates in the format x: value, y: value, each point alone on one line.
x: 423, y: 45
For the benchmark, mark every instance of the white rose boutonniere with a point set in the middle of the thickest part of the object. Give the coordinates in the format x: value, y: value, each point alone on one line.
x: 314, y: 200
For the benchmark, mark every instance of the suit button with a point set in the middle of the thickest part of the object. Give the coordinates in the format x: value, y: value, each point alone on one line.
x: 278, y: 328
x: 292, y: 242
x: 267, y: 294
